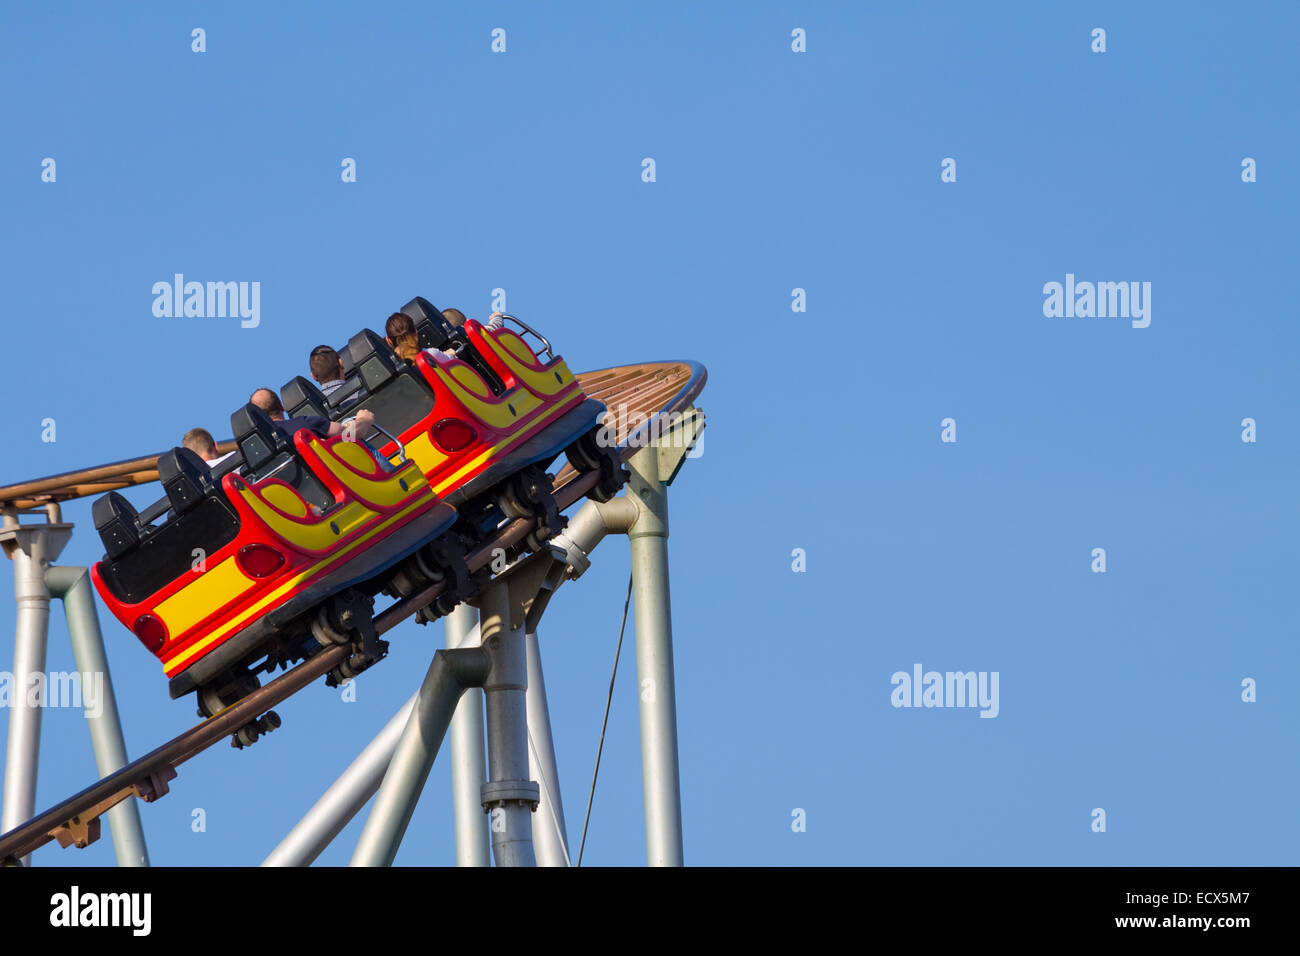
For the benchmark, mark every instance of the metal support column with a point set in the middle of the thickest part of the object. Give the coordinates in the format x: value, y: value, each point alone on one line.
x: 344, y: 798
x: 72, y: 585
x: 31, y: 547
x: 449, y: 674
x: 642, y: 513
x: 654, y: 662
x: 510, y: 796
x: 468, y: 765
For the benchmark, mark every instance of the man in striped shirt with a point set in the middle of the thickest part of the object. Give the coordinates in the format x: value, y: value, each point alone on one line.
x: 326, y: 368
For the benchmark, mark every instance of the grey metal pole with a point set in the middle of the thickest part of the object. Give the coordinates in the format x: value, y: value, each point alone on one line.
x: 32, y: 548
x: 344, y: 799
x: 660, y: 778
x: 509, y: 795
x: 72, y: 585
x: 22, y: 754
x: 549, y: 833
x: 448, y: 674
x: 468, y: 765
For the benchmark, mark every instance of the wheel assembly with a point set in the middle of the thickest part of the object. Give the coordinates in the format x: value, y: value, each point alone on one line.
x: 587, y: 454
x: 527, y: 494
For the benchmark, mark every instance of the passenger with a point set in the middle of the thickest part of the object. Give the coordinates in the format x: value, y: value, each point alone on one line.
x: 200, y: 441
x: 326, y: 368
x: 457, y: 318
x: 269, y: 402
x: 399, y: 332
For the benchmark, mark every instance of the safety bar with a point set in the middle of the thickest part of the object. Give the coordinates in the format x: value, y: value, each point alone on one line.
x: 401, y: 449
x: 528, y: 329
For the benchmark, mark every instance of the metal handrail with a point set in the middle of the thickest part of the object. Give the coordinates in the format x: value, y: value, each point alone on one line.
x: 401, y: 449
x: 546, y: 344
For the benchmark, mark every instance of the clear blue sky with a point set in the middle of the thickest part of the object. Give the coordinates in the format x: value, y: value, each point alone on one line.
x: 775, y: 171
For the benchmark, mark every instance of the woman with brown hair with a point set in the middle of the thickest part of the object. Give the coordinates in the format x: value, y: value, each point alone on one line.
x: 401, y: 335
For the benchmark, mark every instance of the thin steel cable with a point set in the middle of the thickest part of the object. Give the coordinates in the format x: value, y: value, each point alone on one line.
x: 608, y: 700
x: 550, y: 798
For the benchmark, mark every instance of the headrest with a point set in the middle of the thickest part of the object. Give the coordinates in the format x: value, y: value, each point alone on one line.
x: 185, y: 477
x: 258, y: 439
x: 116, y: 521
x: 372, y: 357
x: 433, y: 329
x: 301, y: 397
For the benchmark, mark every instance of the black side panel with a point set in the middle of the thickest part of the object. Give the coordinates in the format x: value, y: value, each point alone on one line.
x: 168, y: 552
x: 402, y: 402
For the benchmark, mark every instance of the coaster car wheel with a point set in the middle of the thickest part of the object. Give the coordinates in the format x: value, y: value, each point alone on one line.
x: 588, y: 453
x: 527, y: 494
x: 225, y: 691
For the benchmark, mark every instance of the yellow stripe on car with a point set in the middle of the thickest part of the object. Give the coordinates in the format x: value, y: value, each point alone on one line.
x: 171, y: 667
x: 214, y: 588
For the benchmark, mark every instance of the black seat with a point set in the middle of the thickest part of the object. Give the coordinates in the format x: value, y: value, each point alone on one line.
x: 372, y: 359
x: 268, y: 452
x: 117, y: 522
x: 434, y: 330
x: 259, y: 441
x: 301, y: 397
x: 186, y: 478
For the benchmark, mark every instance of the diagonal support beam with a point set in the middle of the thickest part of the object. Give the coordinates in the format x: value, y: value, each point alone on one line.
x: 72, y: 585
x: 468, y: 764
x: 448, y: 675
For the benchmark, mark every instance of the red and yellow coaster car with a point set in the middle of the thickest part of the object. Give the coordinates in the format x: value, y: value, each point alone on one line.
x: 241, y: 555
x: 249, y: 553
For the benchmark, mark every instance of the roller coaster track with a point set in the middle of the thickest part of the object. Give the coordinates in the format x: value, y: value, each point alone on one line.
x: 633, y: 394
